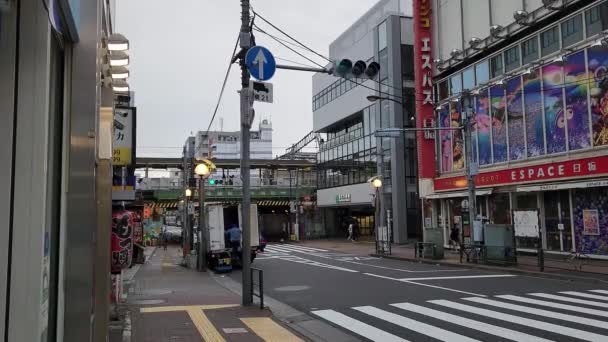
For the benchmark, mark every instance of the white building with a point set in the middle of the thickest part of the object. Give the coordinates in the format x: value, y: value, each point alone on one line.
x: 227, y: 145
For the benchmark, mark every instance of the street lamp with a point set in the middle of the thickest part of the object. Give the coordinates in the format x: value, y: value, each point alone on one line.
x: 188, y: 193
x: 374, y: 98
x: 118, y: 42
x: 382, y: 235
x: 203, y: 171
x: 187, y: 224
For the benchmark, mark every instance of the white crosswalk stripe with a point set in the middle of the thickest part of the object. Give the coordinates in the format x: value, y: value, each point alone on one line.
x: 571, y: 300
x: 585, y: 295
x: 525, y: 320
x: 600, y: 291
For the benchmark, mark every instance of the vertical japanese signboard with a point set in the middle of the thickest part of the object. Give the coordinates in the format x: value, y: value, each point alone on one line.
x: 122, y: 239
x: 123, y: 142
x: 424, y: 90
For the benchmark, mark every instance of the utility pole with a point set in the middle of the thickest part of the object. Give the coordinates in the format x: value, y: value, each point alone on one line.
x: 471, y: 172
x: 246, y: 112
x: 202, y: 231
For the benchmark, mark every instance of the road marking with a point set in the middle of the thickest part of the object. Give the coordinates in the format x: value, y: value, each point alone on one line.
x: 600, y: 291
x: 299, y: 260
x: 185, y: 308
x: 269, y: 330
x: 568, y: 299
x: 357, y: 327
x: 426, y: 285
x: 277, y: 249
x: 585, y: 295
x: 419, y: 327
x: 470, y: 323
x: 544, y: 313
x: 311, y: 249
x: 461, y: 277
x: 576, y: 333
x: 204, y: 326
x: 588, y: 311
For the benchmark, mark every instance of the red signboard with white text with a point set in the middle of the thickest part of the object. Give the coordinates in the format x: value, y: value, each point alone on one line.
x: 565, y: 170
x: 423, y: 85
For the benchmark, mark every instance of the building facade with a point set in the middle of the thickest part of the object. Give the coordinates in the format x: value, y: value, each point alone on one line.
x: 350, y: 153
x: 535, y: 74
x: 227, y: 145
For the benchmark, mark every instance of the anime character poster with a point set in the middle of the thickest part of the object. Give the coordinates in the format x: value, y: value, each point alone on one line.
x: 555, y: 121
x: 483, y: 127
x: 457, y: 138
x: 122, y: 239
x: 499, y: 126
x: 577, y: 113
x: 533, y: 102
x: 515, y: 118
x: 446, y: 139
x: 597, y: 59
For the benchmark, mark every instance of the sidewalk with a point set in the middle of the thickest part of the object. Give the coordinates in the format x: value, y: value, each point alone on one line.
x: 167, y: 302
x: 595, y: 271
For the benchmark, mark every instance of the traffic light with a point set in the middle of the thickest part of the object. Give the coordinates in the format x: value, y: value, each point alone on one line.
x: 345, y: 68
x: 212, y: 182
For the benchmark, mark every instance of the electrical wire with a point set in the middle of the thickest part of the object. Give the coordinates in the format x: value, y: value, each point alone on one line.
x: 288, y: 47
x: 290, y: 37
x: 294, y: 62
x: 219, y: 100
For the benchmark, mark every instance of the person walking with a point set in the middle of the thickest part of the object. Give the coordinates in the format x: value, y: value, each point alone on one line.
x: 454, y: 237
x: 234, y: 234
x: 351, y: 228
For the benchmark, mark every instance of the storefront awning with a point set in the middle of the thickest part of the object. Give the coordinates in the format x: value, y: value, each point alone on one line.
x: 562, y: 186
x: 454, y: 194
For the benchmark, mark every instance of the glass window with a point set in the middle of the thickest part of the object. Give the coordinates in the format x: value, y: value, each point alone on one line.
x: 468, y: 78
x: 382, y: 36
x: 496, y: 66
x: 572, y: 30
x: 407, y: 56
x: 482, y: 73
x: 596, y: 19
x: 549, y: 41
x: 529, y: 50
x: 443, y: 90
x: 512, y: 58
x: 455, y: 84
x: 383, y: 61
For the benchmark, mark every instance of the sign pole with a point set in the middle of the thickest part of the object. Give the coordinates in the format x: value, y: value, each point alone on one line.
x: 202, y: 229
x: 468, y: 125
x: 246, y: 111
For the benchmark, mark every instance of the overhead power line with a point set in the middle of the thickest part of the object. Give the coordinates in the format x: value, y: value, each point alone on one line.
x: 288, y: 47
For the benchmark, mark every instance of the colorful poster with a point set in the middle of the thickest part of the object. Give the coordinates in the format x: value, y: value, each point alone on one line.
x: 555, y: 121
x: 457, y: 138
x: 591, y: 222
x: 515, y: 118
x: 577, y: 112
x: 499, y: 125
x: 138, y: 227
x: 122, y: 239
x: 483, y: 127
x: 597, y: 59
x: 446, y: 139
x: 535, y: 133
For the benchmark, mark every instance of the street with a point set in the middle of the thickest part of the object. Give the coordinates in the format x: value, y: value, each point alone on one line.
x: 391, y: 300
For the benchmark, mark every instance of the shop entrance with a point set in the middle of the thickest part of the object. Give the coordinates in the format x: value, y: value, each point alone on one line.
x: 364, y: 216
x: 557, y: 220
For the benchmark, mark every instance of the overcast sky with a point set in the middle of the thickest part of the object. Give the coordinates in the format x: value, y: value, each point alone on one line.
x: 180, y: 50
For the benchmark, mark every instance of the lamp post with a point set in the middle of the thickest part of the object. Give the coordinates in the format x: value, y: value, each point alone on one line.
x: 202, y: 170
x: 187, y: 223
x: 376, y: 183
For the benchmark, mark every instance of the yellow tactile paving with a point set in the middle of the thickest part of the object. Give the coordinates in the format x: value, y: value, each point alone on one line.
x: 185, y: 308
x: 204, y: 326
x: 269, y: 330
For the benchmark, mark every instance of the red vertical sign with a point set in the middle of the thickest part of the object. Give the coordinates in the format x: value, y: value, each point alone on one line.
x: 424, y: 89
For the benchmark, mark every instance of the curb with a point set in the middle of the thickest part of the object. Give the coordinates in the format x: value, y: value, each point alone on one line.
x: 494, y: 268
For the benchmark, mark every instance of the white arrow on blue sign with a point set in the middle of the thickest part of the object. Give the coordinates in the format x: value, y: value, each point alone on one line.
x: 260, y: 63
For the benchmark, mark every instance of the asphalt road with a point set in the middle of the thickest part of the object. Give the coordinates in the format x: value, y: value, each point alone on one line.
x: 389, y: 300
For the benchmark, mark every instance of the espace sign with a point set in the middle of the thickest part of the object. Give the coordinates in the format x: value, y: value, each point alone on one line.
x: 570, y: 169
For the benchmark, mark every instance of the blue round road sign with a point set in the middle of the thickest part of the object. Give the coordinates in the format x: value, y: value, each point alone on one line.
x: 261, y: 63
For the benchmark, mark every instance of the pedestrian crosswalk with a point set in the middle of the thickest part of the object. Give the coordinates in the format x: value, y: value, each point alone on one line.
x: 528, y: 317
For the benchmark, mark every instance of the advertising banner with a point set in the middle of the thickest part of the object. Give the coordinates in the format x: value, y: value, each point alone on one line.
x: 591, y: 222
x: 122, y: 239
x: 123, y: 142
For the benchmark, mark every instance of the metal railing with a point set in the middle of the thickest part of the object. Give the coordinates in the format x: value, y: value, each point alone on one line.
x: 259, y: 283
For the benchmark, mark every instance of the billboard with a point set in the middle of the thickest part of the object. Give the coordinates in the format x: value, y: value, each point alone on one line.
x: 123, y: 222
x: 123, y: 141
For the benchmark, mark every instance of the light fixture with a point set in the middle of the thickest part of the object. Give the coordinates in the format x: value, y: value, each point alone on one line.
x: 373, y: 98
x: 119, y: 73
x: 496, y: 30
x: 188, y: 192
x: 118, y: 42
x: 474, y: 43
x: 119, y: 58
x: 438, y: 108
x: 120, y: 86
x: 500, y: 82
x: 601, y: 42
x: 521, y: 17
x: 375, y: 181
x: 527, y: 72
x: 548, y: 4
x: 456, y: 54
x: 454, y: 100
x: 202, y: 170
x: 475, y: 91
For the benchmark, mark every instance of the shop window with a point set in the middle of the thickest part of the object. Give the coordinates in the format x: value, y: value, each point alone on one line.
x: 591, y: 220
x: 529, y: 50
x: 572, y: 30
x: 500, y: 212
x: 596, y: 19
x: 482, y: 73
x: 496, y: 68
x: 549, y: 41
x: 512, y: 58
x: 455, y: 85
x: 468, y: 78
x: 443, y: 90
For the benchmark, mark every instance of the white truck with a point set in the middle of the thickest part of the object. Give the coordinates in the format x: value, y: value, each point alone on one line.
x: 219, y: 218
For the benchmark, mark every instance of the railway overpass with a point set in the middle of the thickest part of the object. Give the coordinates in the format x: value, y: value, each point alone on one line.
x: 169, y: 163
